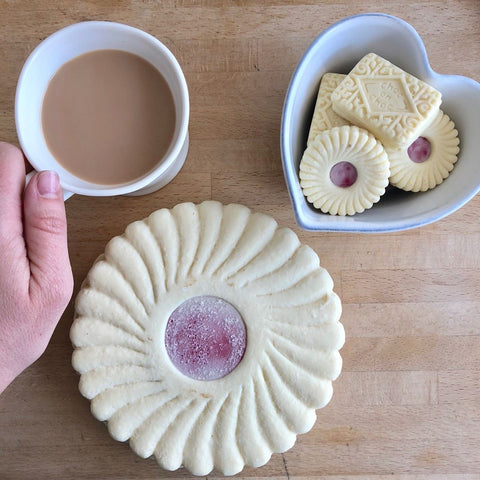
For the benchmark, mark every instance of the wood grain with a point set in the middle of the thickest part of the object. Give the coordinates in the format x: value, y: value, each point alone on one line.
x: 407, y: 405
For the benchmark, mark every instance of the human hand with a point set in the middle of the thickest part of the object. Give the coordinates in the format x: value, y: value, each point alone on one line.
x: 36, y: 280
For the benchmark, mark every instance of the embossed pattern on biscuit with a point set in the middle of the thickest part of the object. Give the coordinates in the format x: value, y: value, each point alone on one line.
x: 324, y: 117
x: 429, y: 160
x: 344, y: 171
x: 293, y: 332
x: 389, y: 102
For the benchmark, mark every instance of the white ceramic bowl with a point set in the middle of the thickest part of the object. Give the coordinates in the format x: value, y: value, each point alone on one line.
x: 338, y: 49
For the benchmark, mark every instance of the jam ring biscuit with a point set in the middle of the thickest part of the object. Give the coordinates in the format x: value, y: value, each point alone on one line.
x: 344, y: 171
x: 428, y: 160
x: 207, y: 336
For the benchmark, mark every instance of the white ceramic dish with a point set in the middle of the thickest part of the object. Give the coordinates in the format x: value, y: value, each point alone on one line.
x: 338, y: 49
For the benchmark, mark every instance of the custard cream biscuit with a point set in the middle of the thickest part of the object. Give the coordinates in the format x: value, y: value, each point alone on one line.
x: 324, y: 117
x: 389, y: 102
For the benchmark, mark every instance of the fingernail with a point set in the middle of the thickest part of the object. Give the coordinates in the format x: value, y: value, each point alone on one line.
x: 48, y: 184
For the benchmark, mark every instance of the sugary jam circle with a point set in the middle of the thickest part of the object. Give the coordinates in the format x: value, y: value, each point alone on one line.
x: 419, y: 150
x: 343, y: 174
x: 205, y: 338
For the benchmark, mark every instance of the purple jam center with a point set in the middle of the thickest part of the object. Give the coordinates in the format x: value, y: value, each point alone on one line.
x: 343, y: 174
x: 419, y: 150
x: 205, y: 338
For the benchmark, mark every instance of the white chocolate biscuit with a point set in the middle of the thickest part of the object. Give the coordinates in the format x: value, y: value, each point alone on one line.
x: 390, y: 103
x: 429, y: 160
x: 121, y: 337
x: 344, y: 171
x: 324, y: 117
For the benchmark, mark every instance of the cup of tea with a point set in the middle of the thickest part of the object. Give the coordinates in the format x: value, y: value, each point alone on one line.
x: 106, y: 106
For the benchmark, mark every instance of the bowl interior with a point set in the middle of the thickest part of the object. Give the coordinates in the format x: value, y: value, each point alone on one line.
x: 337, y: 50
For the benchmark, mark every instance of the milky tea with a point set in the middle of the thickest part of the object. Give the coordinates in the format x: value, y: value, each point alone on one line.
x: 108, y: 117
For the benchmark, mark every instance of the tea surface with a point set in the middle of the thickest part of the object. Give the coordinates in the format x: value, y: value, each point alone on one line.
x: 108, y: 117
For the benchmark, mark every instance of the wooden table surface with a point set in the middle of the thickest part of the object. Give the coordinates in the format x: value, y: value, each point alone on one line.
x: 407, y: 404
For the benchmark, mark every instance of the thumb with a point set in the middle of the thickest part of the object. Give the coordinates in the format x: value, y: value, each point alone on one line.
x: 45, y: 231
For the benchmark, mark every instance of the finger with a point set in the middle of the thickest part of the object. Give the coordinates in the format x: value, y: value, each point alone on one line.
x: 12, y: 181
x: 45, y: 230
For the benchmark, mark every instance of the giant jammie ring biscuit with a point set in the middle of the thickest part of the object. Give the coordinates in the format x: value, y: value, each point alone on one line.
x: 428, y: 160
x: 207, y: 336
x: 344, y: 171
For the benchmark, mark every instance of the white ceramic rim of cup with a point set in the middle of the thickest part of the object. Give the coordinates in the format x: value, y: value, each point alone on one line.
x: 28, y: 104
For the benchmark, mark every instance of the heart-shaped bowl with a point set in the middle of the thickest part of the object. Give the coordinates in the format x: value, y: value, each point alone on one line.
x: 337, y: 50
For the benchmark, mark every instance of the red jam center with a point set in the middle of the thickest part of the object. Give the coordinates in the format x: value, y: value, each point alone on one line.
x: 343, y: 174
x: 419, y: 150
x: 205, y: 338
